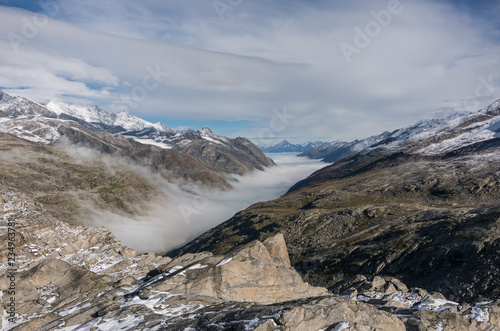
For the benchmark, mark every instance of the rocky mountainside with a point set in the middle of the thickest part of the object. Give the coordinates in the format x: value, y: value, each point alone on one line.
x: 421, y: 205
x: 75, y: 166
x: 66, y: 277
x: 234, y: 156
x: 221, y: 154
x: 402, y: 138
x: 402, y: 236
x: 111, y: 173
x: 287, y: 147
x: 216, y: 153
x: 83, y: 174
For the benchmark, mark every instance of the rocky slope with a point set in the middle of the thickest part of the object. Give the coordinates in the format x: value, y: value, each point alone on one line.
x: 234, y: 156
x: 421, y: 205
x: 74, y: 165
x: 92, y: 171
x: 75, y: 278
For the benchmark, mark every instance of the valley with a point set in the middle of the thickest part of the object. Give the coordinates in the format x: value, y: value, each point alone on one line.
x: 420, y: 205
x: 191, y: 213
x: 127, y: 230
x: 235, y: 165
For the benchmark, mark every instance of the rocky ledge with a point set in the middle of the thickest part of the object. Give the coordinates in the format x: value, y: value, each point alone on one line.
x: 69, y: 277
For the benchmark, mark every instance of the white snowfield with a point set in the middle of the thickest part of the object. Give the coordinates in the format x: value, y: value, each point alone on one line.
x: 37, y: 129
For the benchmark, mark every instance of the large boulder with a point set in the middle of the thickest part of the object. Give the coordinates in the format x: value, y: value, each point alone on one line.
x: 257, y: 272
x: 62, y: 275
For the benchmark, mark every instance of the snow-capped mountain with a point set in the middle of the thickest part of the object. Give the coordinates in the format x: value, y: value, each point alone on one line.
x: 47, y: 124
x: 96, y: 115
x: 286, y: 147
x: 438, y: 136
x: 336, y: 150
x: 18, y: 106
x: 134, y: 127
x: 90, y: 116
x: 433, y: 136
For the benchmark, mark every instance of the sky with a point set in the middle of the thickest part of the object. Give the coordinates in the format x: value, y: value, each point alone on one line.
x: 267, y: 70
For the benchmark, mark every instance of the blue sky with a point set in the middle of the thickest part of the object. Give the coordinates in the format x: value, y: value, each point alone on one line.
x: 268, y: 70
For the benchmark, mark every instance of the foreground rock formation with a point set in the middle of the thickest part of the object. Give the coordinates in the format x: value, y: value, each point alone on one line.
x: 257, y: 272
x: 70, y: 277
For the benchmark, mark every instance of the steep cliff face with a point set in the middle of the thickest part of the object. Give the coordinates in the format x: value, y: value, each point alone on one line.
x: 422, y: 206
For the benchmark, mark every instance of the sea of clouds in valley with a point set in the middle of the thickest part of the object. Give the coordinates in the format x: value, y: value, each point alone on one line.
x: 189, y: 211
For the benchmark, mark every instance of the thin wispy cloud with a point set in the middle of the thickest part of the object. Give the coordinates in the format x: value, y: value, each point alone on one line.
x: 427, y: 59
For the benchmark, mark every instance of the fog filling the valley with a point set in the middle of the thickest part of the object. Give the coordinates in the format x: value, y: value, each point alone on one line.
x: 187, y: 215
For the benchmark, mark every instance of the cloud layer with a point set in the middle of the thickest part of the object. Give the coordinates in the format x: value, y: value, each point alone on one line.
x: 188, y: 213
x: 242, y: 60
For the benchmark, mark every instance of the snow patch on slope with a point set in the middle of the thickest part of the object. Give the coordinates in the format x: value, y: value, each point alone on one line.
x: 37, y: 129
x: 151, y: 142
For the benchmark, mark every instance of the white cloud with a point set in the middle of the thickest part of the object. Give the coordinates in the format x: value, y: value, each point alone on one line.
x: 428, y: 60
x: 188, y: 213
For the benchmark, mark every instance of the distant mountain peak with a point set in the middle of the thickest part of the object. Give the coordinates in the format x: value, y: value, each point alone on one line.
x: 19, y: 106
x: 206, y: 131
x: 4, y: 97
x: 286, y: 147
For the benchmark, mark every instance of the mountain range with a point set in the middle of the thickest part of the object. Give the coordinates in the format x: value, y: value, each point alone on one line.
x: 336, y: 150
x: 287, y: 147
x: 401, y: 232
x: 219, y: 154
